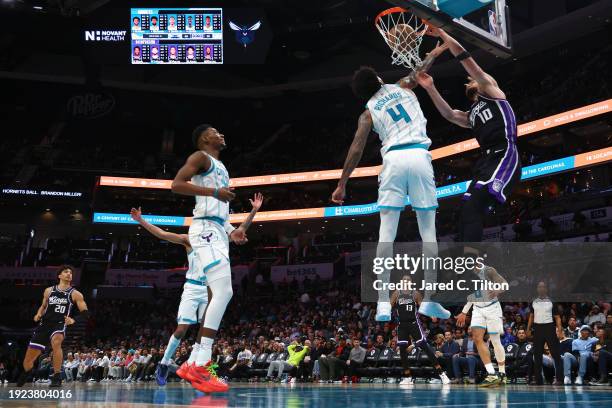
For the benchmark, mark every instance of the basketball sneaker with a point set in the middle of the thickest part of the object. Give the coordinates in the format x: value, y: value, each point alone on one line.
x: 161, y: 374
x: 383, y: 311
x: 444, y: 378
x: 205, y: 378
x: 434, y: 309
x: 490, y: 381
x: 184, y: 371
x: 56, y: 380
x: 503, y: 380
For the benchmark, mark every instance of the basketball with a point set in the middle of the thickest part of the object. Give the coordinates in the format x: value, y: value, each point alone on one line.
x: 401, y: 34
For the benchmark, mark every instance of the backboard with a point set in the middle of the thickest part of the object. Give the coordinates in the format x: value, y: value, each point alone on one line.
x: 488, y: 27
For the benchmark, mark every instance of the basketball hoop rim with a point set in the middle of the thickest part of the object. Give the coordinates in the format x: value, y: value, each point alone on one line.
x: 396, y: 10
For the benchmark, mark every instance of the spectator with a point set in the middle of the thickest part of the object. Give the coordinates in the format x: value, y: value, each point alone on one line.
x: 355, y: 360
x: 581, y: 349
x: 243, y: 363
x: 508, y: 337
x: 572, y: 330
x: 467, y: 358
x: 445, y: 355
x: 594, y: 316
x: 331, y: 364
x: 297, y: 352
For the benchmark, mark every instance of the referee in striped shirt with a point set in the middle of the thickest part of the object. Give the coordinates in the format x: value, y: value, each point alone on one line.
x: 544, y: 318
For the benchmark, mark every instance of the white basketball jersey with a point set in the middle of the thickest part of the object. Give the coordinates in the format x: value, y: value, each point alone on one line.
x: 215, y: 177
x: 397, y: 117
x: 480, y: 298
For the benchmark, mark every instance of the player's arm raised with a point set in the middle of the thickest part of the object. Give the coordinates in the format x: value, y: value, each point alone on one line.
x: 238, y: 235
x: 180, y: 239
x: 409, y: 82
x: 43, y: 306
x: 196, y: 163
x: 455, y: 116
x: 79, y: 300
x: 486, y: 82
x: 364, y: 126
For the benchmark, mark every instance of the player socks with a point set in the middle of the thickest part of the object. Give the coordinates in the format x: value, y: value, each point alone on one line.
x: 194, y: 353
x: 502, y: 368
x: 205, y: 353
x: 490, y: 369
x: 173, y: 343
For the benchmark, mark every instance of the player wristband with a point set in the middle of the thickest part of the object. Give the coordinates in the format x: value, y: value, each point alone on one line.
x: 82, y: 317
x: 216, y: 193
x: 463, y: 55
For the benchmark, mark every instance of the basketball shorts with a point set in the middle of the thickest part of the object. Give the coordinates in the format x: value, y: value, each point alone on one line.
x: 489, y: 317
x: 211, y: 246
x: 410, y: 329
x: 498, y: 170
x: 407, y: 172
x: 43, y: 334
x: 193, y: 303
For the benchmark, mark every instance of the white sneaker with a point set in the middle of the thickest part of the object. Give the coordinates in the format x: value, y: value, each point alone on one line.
x: 435, y: 381
x: 567, y: 380
x: 444, y: 378
x: 578, y: 380
x: 383, y: 311
x: 407, y: 381
x: 292, y: 381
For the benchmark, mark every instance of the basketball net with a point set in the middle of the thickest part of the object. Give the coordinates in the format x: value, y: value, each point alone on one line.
x: 403, y: 32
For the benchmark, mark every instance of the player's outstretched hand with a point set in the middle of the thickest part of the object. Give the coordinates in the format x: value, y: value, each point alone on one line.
x: 424, y: 79
x: 37, y: 317
x: 338, y: 195
x: 226, y: 194
x: 433, y: 31
x: 257, y: 201
x: 439, y: 49
x: 238, y: 237
x: 136, y: 214
x: 68, y: 320
x: 460, y: 319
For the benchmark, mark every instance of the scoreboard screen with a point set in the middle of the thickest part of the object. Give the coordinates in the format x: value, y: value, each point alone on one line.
x: 177, y: 36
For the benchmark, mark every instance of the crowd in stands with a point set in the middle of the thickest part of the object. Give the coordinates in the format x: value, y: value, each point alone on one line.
x: 320, y: 332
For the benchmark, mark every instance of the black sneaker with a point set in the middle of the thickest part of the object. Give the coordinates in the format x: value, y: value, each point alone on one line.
x: 23, y: 378
x: 491, y: 380
x: 503, y: 380
x: 56, y: 380
x: 600, y: 382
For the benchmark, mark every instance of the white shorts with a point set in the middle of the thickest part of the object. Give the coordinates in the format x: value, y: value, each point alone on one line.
x: 489, y: 317
x: 193, y: 303
x: 407, y: 172
x: 211, y: 246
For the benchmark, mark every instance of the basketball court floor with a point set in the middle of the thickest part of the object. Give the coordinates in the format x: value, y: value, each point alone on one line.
x: 317, y: 395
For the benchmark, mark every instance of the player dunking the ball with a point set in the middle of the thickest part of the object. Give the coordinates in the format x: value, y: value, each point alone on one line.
x: 393, y: 111
x: 493, y: 124
x: 195, y: 294
x: 53, y: 316
x: 205, y: 177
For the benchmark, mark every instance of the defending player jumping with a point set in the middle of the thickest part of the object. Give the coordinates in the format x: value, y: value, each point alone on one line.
x: 53, y: 316
x: 393, y: 111
x: 205, y: 177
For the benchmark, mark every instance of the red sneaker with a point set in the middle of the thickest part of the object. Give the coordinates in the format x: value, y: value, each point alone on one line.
x: 204, y: 378
x: 184, y: 371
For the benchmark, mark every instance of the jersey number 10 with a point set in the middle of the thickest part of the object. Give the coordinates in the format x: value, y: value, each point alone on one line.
x: 485, y: 115
x: 400, y: 114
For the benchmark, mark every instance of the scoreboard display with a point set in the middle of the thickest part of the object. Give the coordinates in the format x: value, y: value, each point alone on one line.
x: 177, y: 36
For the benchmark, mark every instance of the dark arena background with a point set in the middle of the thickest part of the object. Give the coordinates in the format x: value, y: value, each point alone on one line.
x: 100, y: 99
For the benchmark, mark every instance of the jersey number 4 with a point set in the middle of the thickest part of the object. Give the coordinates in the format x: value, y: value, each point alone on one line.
x: 400, y: 114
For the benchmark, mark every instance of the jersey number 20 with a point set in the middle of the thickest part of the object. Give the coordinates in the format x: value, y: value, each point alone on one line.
x: 60, y: 308
x: 400, y: 114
